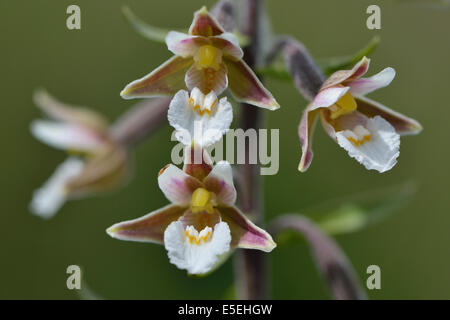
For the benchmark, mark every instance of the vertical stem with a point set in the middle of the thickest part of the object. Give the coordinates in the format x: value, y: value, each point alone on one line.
x: 251, y: 265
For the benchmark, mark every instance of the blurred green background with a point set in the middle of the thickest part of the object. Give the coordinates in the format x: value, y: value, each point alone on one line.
x: 91, y: 66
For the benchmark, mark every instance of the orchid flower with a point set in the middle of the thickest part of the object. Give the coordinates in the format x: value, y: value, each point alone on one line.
x: 207, y: 58
x: 202, y: 223
x: 199, y: 119
x: 101, y: 163
x: 367, y: 130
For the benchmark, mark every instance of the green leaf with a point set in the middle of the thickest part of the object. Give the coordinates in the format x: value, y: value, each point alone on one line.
x: 144, y: 29
x: 331, y: 65
x: 361, y: 210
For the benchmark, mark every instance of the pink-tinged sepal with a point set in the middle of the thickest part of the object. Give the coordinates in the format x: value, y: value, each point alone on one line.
x: 177, y: 185
x: 149, y: 228
x: 246, y: 87
x: 204, y: 24
x: 167, y: 79
x: 220, y: 181
x: 345, y: 76
x: 403, y: 125
x: 197, y: 162
x: 244, y: 233
x: 305, y: 132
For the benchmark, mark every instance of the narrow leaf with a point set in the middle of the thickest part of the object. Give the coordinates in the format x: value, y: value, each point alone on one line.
x: 331, y: 65
x: 144, y: 29
x: 362, y: 210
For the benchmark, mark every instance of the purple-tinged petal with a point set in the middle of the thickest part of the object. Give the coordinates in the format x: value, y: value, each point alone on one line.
x: 167, y: 79
x: 76, y: 115
x: 107, y: 170
x: 328, y: 96
x: 244, y: 233
x: 229, y: 44
x: 305, y: 132
x: 149, y: 228
x: 403, y: 125
x: 220, y: 181
x: 184, y: 45
x: 197, y: 162
x: 363, y: 86
x: 204, y: 24
x: 207, y: 79
x: 67, y: 136
x: 345, y: 76
x: 246, y: 87
x: 177, y: 185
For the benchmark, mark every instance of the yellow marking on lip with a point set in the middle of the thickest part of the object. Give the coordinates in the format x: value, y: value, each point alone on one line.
x: 360, y: 142
x: 197, y: 240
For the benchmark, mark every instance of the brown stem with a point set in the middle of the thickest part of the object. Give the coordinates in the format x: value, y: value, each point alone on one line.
x: 251, y: 265
x: 331, y: 261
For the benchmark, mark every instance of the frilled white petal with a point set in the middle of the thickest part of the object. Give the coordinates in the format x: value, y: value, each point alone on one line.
x: 196, y: 252
x: 204, y: 121
x: 380, y: 152
x: 364, y: 86
x: 65, y: 136
x: 51, y: 196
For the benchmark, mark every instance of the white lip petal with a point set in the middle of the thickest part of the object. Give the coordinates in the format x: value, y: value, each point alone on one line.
x: 205, y: 128
x: 196, y: 258
x: 48, y: 199
x: 380, y: 152
x: 65, y: 136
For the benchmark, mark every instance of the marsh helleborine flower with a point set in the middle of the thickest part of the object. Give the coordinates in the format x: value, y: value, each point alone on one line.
x: 201, y: 224
x: 100, y: 165
x: 207, y: 58
x: 369, y: 131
